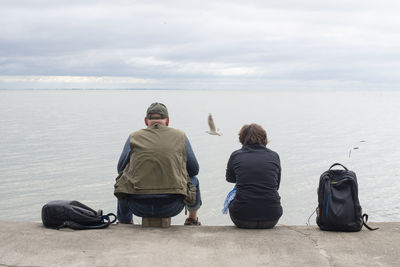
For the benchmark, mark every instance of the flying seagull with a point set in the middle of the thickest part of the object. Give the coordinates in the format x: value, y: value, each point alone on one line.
x: 211, y: 124
x: 355, y: 147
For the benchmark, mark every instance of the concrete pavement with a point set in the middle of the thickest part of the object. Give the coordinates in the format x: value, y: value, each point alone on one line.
x: 30, y: 244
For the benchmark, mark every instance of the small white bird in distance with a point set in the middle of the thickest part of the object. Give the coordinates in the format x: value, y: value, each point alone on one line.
x: 211, y: 124
x: 355, y: 147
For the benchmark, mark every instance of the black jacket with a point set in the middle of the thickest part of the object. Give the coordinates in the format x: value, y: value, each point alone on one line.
x: 256, y: 170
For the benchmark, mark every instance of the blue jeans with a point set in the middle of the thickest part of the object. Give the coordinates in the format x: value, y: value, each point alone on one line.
x: 157, y: 206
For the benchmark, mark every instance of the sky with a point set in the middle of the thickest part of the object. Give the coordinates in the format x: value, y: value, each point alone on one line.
x: 200, y: 45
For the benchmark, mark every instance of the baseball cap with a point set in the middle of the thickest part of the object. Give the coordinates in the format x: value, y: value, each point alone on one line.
x: 157, y: 108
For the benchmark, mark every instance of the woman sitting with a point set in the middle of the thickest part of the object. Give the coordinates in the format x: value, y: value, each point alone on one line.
x: 256, y: 170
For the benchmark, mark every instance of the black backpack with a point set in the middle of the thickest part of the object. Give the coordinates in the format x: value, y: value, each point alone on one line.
x: 338, y: 205
x: 73, y: 214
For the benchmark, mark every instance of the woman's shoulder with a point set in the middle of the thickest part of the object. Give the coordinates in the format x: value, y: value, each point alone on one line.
x: 272, y: 153
x: 255, y: 149
x: 241, y: 152
x: 236, y: 152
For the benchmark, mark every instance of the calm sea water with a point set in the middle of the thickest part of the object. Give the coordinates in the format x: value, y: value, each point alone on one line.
x: 65, y: 144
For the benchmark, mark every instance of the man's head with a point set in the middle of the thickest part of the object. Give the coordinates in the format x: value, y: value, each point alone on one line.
x: 157, y: 113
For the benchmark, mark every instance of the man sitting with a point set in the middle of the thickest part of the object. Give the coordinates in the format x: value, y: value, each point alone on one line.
x: 154, y: 168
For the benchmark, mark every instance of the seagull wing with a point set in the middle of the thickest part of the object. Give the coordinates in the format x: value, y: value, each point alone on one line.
x: 211, y: 123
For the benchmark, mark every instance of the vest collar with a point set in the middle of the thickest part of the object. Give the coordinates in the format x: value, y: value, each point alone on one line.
x: 157, y: 126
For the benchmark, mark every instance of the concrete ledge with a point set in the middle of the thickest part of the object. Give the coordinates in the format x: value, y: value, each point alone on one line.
x: 30, y: 244
x: 156, y: 222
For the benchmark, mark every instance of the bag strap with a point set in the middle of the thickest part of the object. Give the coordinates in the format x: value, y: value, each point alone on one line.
x: 338, y: 164
x: 365, y: 222
x: 77, y: 226
x: 108, y: 217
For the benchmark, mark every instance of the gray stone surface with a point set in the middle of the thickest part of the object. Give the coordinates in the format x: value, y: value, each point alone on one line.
x: 30, y: 244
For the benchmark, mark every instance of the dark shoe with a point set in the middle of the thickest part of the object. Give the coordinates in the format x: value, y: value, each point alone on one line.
x: 190, y: 221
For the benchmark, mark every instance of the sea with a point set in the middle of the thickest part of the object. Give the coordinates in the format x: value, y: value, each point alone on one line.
x: 65, y: 145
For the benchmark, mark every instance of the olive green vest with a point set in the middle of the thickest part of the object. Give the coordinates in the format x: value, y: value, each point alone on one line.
x: 157, y: 163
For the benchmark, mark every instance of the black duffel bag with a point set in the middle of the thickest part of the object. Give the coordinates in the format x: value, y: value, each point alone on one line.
x: 75, y: 215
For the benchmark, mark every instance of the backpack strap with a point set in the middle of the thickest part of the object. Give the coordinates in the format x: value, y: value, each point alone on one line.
x: 365, y: 220
x: 77, y: 226
x: 338, y: 164
x: 108, y: 217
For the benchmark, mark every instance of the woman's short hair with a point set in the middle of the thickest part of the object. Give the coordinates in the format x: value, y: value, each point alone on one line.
x: 251, y: 134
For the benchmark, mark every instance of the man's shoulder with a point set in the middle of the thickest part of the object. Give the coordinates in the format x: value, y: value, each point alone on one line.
x: 175, y: 133
x: 170, y: 130
x: 163, y: 129
x: 137, y: 132
x: 176, y: 130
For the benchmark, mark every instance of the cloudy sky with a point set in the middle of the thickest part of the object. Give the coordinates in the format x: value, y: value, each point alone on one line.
x: 282, y: 45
